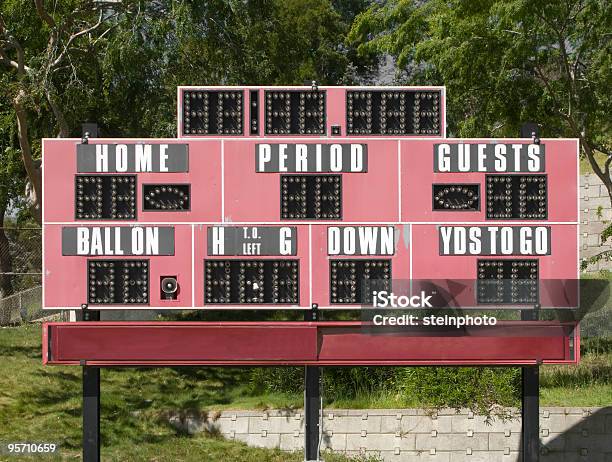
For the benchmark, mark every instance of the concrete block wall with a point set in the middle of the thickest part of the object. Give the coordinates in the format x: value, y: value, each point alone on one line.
x: 595, y: 216
x: 407, y: 435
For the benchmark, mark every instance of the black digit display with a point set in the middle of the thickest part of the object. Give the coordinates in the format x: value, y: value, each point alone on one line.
x: 105, y: 197
x: 353, y: 281
x: 316, y: 197
x: 166, y: 197
x: 521, y: 197
x: 254, y: 112
x: 393, y: 112
x: 507, y: 282
x: 295, y: 112
x: 118, y: 282
x: 456, y: 197
x: 251, y: 281
x: 212, y: 112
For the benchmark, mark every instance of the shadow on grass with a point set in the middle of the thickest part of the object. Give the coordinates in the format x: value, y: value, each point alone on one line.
x: 48, y: 396
x: 228, y: 376
x: 33, y: 351
x: 74, y: 377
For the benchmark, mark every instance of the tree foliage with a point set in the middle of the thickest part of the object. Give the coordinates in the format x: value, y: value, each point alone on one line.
x: 118, y: 63
x: 506, y: 62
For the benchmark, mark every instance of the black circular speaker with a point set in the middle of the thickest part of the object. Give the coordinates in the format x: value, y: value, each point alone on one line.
x: 169, y: 285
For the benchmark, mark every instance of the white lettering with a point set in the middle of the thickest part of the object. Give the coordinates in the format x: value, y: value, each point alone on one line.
x: 463, y: 158
x: 517, y: 156
x: 163, y: 157
x: 82, y: 241
x: 152, y: 240
x: 301, y: 158
x: 144, y: 158
x: 264, y: 155
x: 500, y: 157
x: 101, y: 157
x: 335, y: 158
x: 137, y: 241
x: 356, y: 158
x: 444, y: 163
x: 218, y: 240
x: 481, y: 157
x: 333, y: 240
x: 121, y: 160
x: 285, y: 240
x: 282, y: 157
x: 445, y: 234
x: 533, y: 161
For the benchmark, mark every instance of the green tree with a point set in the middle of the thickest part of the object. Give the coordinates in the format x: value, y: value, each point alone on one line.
x: 42, y: 54
x: 505, y: 62
x: 271, y: 42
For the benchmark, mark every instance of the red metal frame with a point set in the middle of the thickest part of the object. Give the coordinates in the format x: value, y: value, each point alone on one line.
x: 306, y: 343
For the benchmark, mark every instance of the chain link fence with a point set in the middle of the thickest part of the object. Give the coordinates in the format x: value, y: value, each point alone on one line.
x: 20, y: 275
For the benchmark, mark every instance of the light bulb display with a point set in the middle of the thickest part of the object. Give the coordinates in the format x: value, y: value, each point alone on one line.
x: 118, y: 282
x: 251, y: 282
x: 517, y: 197
x: 316, y: 197
x: 353, y: 281
x: 254, y: 112
x: 166, y: 197
x: 212, y: 112
x: 110, y: 197
x: 507, y: 282
x: 393, y: 113
x: 295, y: 112
x: 456, y: 197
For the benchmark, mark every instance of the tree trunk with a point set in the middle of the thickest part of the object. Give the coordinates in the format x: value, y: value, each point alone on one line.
x: 6, y: 267
x: 34, y: 174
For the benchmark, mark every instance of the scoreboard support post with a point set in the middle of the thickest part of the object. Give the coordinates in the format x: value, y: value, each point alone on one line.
x: 312, y: 406
x: 91, y: 414
x: 530, y: 410
x: 312, y: 401
x: 530, y: 402
x: 91, y: 401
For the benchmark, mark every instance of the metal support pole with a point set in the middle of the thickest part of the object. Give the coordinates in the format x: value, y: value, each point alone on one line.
x: 530, y: 402
x: 91, y: 414
x: 312, y: 399
x: 91, y: 402
x: 531, y: 413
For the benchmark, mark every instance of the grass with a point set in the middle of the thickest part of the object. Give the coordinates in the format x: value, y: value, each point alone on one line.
x: 559, y: 382
x: 43, y: 404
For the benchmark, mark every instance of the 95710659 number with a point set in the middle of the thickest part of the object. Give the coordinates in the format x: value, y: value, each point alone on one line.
x: 25, y: 448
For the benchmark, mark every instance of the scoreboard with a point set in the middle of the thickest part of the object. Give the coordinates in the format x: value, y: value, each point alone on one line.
x: 281, y: 198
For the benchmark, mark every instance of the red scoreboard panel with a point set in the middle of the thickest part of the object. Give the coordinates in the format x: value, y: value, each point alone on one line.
x: 281, y: 198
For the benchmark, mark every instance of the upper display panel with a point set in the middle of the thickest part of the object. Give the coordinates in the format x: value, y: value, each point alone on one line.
x: 311, y: 111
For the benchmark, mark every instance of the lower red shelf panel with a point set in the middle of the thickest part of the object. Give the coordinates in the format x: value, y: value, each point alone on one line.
x: 305, y: 343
